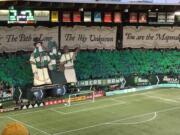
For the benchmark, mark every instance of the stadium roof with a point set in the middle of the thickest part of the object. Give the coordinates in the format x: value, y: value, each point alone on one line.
x: 120, y: 5
x: 151, y: 2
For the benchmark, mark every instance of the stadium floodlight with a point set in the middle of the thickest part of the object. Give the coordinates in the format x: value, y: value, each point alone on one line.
x: 82, y: 96
x: 177, y: 13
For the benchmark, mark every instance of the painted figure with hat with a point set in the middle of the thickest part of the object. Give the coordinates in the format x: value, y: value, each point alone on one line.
x: 39, y: 62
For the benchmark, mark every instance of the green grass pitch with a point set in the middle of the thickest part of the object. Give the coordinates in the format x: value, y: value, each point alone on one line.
x: 154, y: 112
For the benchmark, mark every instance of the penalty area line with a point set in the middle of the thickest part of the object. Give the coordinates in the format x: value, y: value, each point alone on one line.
x: 116, y: 100
x: 127, y: 118
x: 134, y: 123
x: 51, y: 108
x: 78, y: 104
x: 164, y: 99
x: 60, y: 112
x: 90, y: 109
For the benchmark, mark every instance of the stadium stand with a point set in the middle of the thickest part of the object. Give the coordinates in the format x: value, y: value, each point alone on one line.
x: 104, y: 64
x: 16, y: 69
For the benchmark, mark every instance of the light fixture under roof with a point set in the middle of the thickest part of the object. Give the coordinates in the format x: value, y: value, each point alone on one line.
x: 126, y: 10
x: 81, y: 9
x: 177, y: 13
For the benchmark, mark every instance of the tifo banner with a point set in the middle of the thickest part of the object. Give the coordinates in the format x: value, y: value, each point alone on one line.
x: 21, y: 38
x: 88, y: 37
x: 151, y: 37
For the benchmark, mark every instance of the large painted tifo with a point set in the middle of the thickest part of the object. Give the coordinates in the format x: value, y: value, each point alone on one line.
x: 89, y: 67
x: 109, y: 64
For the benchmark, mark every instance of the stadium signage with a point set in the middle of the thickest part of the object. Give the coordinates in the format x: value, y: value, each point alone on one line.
x: 89, y: 37
x: 171, y: 80
x: 41, y: 15
x: 145, y: 88
x: 21, y: 38
x: 74, y: 99
x: 20, y: 16
x: 6, y: 99
x: 7, y: 110
x: 79, y: 98
x: 54, y: 16
x: 141, y: 81
x: 151, y: 37
x: 4, y: 15
x: 109, y: 81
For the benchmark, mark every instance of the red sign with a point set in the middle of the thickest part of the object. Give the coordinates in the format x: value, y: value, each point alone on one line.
x: 66, y: 17
x: 76, y: 17
x: 142, y: 17
x: 117, y: 17
x: 107, y: 17
x: 133, y: 18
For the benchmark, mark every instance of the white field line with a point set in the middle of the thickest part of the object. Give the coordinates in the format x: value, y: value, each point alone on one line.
x: 89, y: 109
x: 29, y: 112
x: 117, y: 100
x: 44, y: 109
x: 61, y: 107
x: 131, y: 95
x: 164, y: 99
x: 134, y: 123
x: 106, y: 123
x: 39, y: 130
x: 100, y: 124
x: 60, y: 112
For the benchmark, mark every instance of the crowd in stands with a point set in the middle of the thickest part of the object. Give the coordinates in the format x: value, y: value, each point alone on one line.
x: 105, y: 63
x: 16, y: 69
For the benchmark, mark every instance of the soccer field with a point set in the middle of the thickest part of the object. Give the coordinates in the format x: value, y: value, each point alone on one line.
x: 154, y: 112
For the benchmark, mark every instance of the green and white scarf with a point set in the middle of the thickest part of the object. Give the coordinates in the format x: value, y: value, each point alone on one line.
x: 41, y: 58
x: 55, y: 57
